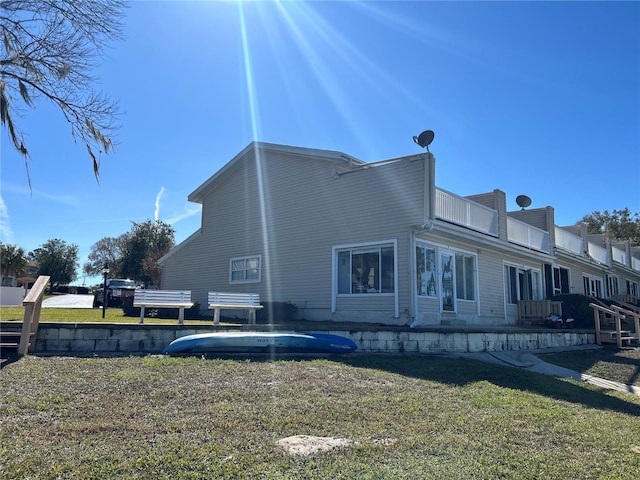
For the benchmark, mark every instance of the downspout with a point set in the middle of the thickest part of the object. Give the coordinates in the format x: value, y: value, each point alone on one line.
x: 413, y: 287
x: 432, y: 187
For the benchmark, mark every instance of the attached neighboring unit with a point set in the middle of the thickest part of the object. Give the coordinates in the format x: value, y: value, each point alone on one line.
x: 346, y: 240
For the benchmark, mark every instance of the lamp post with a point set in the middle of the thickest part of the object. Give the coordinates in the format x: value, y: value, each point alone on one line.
x: 105, y: 272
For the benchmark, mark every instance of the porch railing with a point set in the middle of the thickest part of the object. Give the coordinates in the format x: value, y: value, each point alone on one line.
x: 619, y: 255
x: 527, y: 235
x: 465, y: 212
x: 536, y: 311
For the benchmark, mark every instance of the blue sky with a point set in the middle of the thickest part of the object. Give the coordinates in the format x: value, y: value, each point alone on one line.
x: 535, y: 98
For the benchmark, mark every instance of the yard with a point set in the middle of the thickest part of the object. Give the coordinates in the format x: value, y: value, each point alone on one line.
x: 390, y: 417
x: 374, y: 416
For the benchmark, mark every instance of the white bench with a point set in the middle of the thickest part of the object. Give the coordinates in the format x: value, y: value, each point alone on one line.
x: 179, y: 299
x: 234, y: 301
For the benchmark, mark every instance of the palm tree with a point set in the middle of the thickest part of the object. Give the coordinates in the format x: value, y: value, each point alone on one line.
x: 12, y: 261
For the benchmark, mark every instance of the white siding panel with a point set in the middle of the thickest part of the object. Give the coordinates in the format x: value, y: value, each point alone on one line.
x: 491, y: 283
x: 292, y: 211
x: 535, y: 216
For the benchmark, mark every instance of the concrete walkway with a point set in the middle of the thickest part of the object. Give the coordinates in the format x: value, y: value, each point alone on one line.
x: 527, y: 360
x: 68, y: 301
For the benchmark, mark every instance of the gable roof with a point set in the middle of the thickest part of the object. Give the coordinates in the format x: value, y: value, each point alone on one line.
x: 343, y: 163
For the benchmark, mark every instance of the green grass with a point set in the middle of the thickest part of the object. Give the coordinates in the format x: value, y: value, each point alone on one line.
x: 619, y: 365
x: 85, y: 315
x: 409, y: 416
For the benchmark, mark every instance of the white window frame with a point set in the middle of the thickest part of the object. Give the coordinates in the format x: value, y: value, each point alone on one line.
x: 593, y: 285
x: 534, y: 274
x: 474, y: 275
x: 453, y: 307
x: 245, y: 259
x: 364, y: 245
x: 428, y: 283
x: 439, y: 251
x: 558, y: 285
x: 611, y: 285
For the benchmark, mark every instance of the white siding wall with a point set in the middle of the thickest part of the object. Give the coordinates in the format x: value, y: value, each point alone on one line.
x: 491, y: 273
x: 301, y: 211
x: 535, y: 216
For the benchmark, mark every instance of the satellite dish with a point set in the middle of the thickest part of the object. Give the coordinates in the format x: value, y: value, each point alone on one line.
x: 424, y: 139
x: 523, y: 201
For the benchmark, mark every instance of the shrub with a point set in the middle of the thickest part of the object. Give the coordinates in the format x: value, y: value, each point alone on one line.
x: 277, y: 312
x: 576, y: 306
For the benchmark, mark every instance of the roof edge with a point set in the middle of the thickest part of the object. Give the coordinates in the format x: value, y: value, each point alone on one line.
x: 197, y: 195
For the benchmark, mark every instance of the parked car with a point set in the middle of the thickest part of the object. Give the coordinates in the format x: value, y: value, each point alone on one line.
x: 118, y: 289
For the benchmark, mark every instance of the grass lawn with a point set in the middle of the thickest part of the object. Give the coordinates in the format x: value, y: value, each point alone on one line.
x: 619, y: 365
x: 407, y: 417
x: 85, y: 315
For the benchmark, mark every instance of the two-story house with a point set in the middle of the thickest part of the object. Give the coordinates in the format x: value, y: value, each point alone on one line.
x: 347, y: 240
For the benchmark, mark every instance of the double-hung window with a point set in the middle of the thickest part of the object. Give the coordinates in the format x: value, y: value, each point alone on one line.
x: 245, y: 269
x: 366, y: 270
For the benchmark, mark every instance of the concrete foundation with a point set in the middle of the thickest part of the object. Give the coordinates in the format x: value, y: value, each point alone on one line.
x: 135, y: 339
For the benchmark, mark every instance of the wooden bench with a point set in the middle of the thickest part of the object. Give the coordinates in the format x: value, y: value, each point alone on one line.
x: 234, y: 301
x: 179, y: 299
x: 537, y: 310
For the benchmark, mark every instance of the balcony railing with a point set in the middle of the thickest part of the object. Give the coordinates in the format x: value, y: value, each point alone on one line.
x: 461, y: 211
x: 569, y: 242
x: 527, y: 235
x: 599, y: 253
x: 635, y: 263
x: 619, y: 255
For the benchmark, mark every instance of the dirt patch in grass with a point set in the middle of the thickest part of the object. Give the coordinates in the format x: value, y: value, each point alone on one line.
x: 309, y: 444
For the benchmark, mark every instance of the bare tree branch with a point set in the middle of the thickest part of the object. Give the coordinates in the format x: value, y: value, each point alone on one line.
x: 49, y: 50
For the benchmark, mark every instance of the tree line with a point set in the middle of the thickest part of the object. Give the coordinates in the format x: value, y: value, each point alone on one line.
x: 132, y: 255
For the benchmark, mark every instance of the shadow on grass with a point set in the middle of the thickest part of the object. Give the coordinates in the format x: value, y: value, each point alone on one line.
x: 623, y: 363
x: 8, y: 360
x: 463, y: 372
x: 460, y: 372
x: 450, y: 371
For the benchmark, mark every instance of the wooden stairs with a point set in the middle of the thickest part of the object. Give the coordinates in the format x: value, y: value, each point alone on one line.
x: 19, y: 341
x: 605, y: 318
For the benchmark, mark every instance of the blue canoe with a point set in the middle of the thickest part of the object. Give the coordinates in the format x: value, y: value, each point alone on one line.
x: 247, y: 342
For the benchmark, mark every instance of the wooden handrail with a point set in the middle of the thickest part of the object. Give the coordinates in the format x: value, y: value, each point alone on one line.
x: 618, y: 317
x: 32, y: 305
x: 630, y: 313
